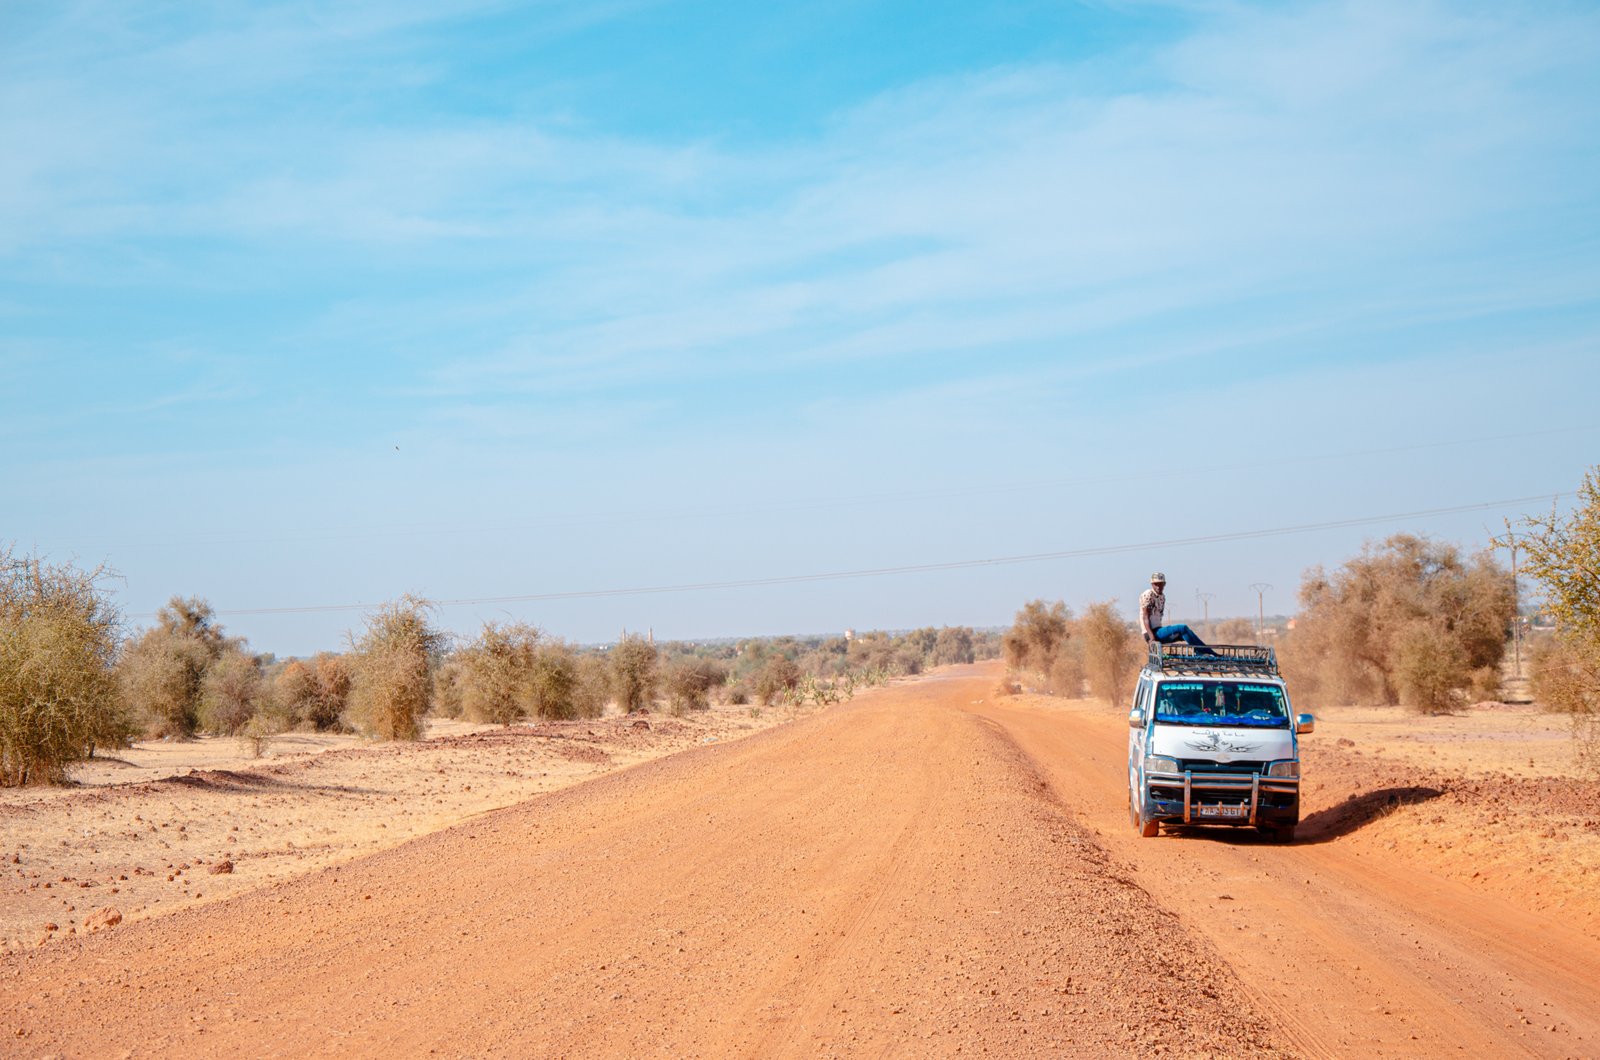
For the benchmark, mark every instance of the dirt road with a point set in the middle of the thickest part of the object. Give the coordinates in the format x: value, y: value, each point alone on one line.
x: 1350, y: 954
x: 922, y: 872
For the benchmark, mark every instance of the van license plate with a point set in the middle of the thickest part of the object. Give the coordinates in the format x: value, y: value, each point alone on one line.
x: 1224, y: 811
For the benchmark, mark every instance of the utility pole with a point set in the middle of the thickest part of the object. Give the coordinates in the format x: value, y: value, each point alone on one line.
x: 1516, y: 611
x: 1205, y: 602
x: 1261, y: 606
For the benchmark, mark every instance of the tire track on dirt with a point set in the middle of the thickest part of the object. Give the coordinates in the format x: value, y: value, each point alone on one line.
x: 890, y: 881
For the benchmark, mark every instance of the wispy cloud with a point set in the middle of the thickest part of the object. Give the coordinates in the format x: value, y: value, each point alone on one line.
x: 1031, y: 212
x: 1036, y: 212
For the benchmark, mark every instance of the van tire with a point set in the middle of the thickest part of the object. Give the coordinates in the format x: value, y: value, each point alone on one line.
x: 1148, y: 829
x: 1278, y: 833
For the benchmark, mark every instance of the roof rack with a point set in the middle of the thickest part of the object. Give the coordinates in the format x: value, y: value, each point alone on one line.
x: 1217, y: 659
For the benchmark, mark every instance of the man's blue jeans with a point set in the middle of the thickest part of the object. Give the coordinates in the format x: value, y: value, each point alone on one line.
x: 1178, y: 631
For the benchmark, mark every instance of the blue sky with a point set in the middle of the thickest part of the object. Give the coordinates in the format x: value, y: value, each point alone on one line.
x: 314, y: 304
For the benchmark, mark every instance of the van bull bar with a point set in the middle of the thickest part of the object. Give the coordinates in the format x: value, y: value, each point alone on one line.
x: 1219, y: 786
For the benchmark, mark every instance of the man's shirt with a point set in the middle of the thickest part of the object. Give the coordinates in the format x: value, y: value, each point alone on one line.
x: 1152, y: 606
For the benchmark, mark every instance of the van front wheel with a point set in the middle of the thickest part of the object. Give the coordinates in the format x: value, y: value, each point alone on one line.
x: 1148, y: 829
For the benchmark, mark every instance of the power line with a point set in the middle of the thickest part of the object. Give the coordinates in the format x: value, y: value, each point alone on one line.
x: 334, y: 533
x: 916, y: 568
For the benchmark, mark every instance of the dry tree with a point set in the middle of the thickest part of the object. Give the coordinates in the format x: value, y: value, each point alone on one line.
x: 392, y: 672
x: 59, y: 698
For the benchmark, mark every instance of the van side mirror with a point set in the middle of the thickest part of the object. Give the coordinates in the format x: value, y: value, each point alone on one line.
x: 1136, y: 718
x: 1304, y: 723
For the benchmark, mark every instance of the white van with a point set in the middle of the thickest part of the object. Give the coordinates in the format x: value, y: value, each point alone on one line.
x: 1212, y: 740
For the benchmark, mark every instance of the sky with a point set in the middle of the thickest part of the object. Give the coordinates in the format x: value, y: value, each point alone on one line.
x: 523, y: 307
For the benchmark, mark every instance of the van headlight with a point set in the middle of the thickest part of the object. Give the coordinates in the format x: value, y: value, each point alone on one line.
x: 1289, y: 767
x: 1161, y: 764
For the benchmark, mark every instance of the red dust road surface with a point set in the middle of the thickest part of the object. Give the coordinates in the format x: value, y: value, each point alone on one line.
x: 1349, y: 951
x: 917, y: 873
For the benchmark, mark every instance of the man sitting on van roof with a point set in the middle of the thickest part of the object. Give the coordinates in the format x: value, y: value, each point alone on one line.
x: 1153, y: 607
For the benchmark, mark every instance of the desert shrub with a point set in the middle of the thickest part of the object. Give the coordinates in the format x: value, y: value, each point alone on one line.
x: 272, y: 718
x: 163, y: 672
x: 1566, y: 679
x: 838, y: 665
x: 232, y: 690
x: 688, y: 682
x: 448, y: 680
x: 294, y: 689
x: 953, y: 645
x: 1111, y: 652
x: 787, y: 646
x: 777, y: 677
x: 274, y: 714
x: 829, y: 657
x: 1041, y: 642
x: 335, y: 674
x: 554, y: 683
x: 633, y: 673
x: 1564, y: 557
x: 818, y: 656
x: 1036, y: 635
x: 1232, y: 631
x: 821, y: 692
x: 393, y: 670
x: 987, y: 644
x: 836, y: 652
x: 256, y: 734
x: 1429, y: 671
x: 59, y: 698
x: 749, y: 657
x: 1484, y: 684
x: 1361, y: 629
x: 920, y: 642
x: 1067, y: 673
x: 193, y: 617
x: 868, y: 651
x: 161, y: 680
x: 497, y: 673
x: 592, y: 689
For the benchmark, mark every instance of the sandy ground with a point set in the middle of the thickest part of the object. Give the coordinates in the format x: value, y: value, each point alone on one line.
x: 930, y: 870
x: 1492, y: 797
x: 148, y: 830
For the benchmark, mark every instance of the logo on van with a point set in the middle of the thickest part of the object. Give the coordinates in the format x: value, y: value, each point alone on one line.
x: 1216, y: 743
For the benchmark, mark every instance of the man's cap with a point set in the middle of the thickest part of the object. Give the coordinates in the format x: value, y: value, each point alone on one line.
x: 1158, y: 578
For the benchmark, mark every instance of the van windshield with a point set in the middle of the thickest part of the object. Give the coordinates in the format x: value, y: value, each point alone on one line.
x: 1221, y: 703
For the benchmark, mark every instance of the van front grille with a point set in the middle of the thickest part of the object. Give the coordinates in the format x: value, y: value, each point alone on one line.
x: 1200, y: 765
